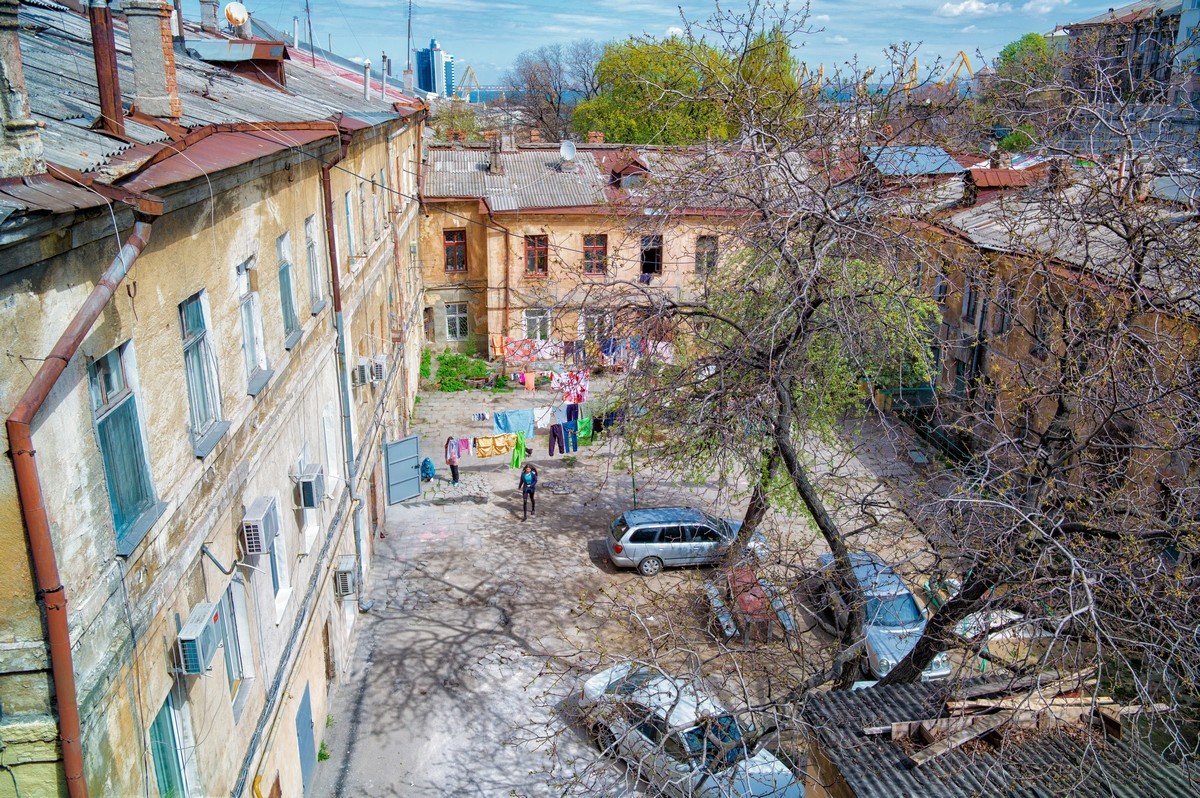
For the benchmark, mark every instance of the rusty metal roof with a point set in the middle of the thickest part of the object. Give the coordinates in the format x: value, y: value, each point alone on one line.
x: 1045, y: 764
x: 531, y: 179
x: 1005, y: 178
x: 1133, y: 12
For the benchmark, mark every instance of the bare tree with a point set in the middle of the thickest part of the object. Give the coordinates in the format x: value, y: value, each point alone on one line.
x: 548, y: 81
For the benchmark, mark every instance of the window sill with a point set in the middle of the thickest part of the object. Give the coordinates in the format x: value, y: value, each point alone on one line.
x: 258, y: 381
x: 292, y: 339
x: 537, y: 275
x: 202, y: 447
x: 319, y: 306
x: 128, y: 543
x: 241, y: 698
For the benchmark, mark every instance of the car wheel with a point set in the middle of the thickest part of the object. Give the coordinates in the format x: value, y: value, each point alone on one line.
x: 606, y: 741
x: 864, y: 667
x: 650, y: 566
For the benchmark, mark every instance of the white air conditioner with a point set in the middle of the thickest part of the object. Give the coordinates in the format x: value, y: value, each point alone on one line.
x: 379, y: 369
x: 312, y: 486
x: 260, y: 525
x: 360, y: 374
x: 345, y: 577
x: 199, y: 638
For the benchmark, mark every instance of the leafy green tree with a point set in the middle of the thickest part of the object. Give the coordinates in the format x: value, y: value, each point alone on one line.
x: 457, y: 122
x: 656, y: 93
x: 1030, y: 60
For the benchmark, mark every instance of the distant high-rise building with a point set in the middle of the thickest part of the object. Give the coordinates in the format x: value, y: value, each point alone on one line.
x: 435, y: 70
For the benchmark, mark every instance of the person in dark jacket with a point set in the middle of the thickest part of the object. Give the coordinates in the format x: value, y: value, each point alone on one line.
x: 527, y: 484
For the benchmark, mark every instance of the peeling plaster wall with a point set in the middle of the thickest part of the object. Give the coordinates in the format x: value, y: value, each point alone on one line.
x: 124, y: 611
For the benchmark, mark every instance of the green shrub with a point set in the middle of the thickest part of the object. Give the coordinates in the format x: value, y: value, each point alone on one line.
x: 323, y: 754
x: 426, y: 364
x: 455, y: 369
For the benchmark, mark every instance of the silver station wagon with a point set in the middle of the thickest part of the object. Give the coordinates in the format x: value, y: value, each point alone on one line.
x: 653, y: 538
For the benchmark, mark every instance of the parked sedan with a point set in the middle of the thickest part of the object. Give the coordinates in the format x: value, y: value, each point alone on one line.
x: 894, y: 622
x: 652, y: 538
x: 678, y: 738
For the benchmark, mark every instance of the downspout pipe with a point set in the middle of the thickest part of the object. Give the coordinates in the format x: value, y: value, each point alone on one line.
x: 33, y: 505
x: 343, y: 375
x: 104, y: 53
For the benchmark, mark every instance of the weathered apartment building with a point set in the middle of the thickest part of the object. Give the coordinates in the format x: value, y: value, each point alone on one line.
x: 211, y: 307
x: 520, y: 244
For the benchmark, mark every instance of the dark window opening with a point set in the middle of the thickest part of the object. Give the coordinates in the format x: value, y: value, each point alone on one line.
x: 652, y: 254
x: 706, y: 254
x: 455, y: 243
x: 537, y: 254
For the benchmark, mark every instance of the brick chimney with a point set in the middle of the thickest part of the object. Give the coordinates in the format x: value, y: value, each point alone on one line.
x: 595, y: 137
x: 495, y: 167
x: 535, y: 137
x: 154, y: 89
x: 20, y: 142
x: 208, y: 16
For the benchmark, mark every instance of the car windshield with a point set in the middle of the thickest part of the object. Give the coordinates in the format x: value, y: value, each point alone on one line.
x: 720, y: 526
x: 896, y: 610
x: 630, y: 682
x: 717, y: 741
x: 619, y: 528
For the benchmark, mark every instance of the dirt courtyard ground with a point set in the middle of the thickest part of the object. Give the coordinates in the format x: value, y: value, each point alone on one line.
x: 452, y: 689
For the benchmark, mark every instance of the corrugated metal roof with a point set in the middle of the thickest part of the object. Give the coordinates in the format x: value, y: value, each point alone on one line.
x: 1004, y: 178
x: 1045, y: 765
x: 1184, y: 189
x: 531, y: 179
x: 1143, y: 9
x: 232, y: 50
x: 912, y: 161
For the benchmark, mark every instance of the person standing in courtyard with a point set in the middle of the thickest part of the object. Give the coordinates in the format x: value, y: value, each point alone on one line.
x: 452, y: 459
x: 528, y: 486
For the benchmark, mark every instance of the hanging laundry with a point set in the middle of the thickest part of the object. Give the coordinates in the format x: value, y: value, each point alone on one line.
x: 560, y: 414
x: 571, y: 436
x: 530, y: 380
x: 556, y: 438
x: 572, y: 412
x: 574, y: 386
x: 543, y: 416
x: 514, y: 421
x: 494, y: 445
x: 518, y: 455
x: 464, y: 447
x: 479, y: 416
x: 585, y: 431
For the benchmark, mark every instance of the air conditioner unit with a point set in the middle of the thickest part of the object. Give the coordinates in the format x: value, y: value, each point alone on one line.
x: 360, y: 374
x: 345, y: 577
x: 312, y: 486
x: 379, y: 369
x: 199, y: 638
x: 259, y: 526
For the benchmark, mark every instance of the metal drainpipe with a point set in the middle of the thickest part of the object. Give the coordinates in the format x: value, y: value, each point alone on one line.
x: 343, y: 377
x: 33, y: 506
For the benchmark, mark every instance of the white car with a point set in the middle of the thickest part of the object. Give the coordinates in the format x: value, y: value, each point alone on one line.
x: 681, y: 741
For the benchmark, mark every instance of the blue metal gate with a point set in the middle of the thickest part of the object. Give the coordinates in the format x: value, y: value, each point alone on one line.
x: 402, y: 461
x: 304, y: 738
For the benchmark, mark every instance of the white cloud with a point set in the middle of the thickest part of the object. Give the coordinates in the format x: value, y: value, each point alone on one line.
x: 974, y: 8
x: 838, y: 40
x: 1043, y: 6
x: 674, y: 30
x: 967, y: 29
x: 820, y: 18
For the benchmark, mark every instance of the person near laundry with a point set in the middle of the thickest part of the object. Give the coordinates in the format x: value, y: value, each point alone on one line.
x: 452, y: 459
x: 528, y: 486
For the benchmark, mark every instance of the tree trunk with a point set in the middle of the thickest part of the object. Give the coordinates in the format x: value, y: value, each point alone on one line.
x: 843, y: 572
x: 939, y: 632
x: 760, y: 502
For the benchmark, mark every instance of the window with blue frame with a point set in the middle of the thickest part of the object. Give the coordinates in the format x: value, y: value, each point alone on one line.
x: 119, y: 431
x: 166, y: 752
x: 200, y: 367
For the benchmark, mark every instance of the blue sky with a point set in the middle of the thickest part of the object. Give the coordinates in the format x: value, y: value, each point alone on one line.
x: 487, y: 34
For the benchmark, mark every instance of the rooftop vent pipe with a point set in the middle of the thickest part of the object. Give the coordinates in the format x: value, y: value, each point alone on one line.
x: 20, y: 142
x: 155, y: 90
x: 367, y: 79
x: 495, y: 167
x: 104, y: 53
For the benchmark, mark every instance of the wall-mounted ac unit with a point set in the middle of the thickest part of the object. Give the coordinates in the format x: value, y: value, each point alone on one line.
x: 199, y: 638
x: 312, y: 486
x: 345, y: 577
x: 360, y: 374
x: 260, y: 525
x: 379, y: 368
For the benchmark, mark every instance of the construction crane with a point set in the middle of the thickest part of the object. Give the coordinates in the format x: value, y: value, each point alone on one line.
x: 910, y: 79
x: 814, y: 81
x: 468, y: 84
x: 949, y: 78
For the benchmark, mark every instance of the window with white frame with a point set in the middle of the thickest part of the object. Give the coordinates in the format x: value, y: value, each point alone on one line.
x: 233, y: 625
x: 351, y: 250
x: 362, y: 209
x: 537, y: 324
x: 316, y: 276
x: 200, y: 368
x: 122, y: 448
x: 287, y: 297
x: 385, y: 196
x: 166, y: 749
x: 456, y: 321
x: 281, y: 575
x: 253, y: 343
x: 375, y: 208
x: 306, y: 517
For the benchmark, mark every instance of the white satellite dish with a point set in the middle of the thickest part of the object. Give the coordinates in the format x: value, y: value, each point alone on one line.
x: 237, y: 14
x: 566, y: 151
